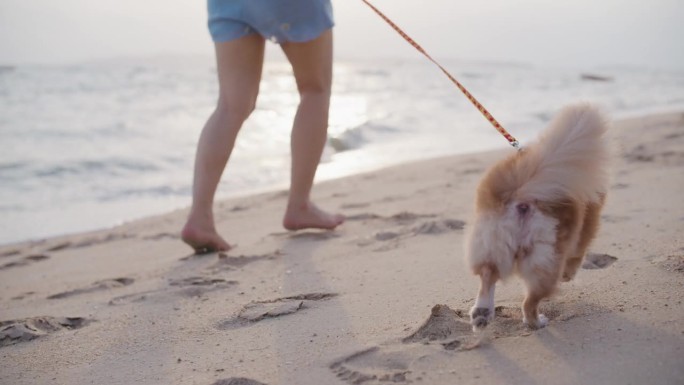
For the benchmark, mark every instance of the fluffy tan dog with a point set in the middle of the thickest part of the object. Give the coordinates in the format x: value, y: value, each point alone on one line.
x: 538, y: 210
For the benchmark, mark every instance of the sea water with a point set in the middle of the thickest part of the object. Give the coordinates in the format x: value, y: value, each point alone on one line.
x: 89, y: 146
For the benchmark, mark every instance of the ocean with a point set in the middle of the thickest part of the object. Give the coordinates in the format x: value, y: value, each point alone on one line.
x: 90, y: 146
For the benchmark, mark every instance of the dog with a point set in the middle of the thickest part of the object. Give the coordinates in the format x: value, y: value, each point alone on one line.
x: 537, y: 211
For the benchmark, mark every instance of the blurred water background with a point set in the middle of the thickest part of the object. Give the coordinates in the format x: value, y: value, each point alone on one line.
x: 93, y: 145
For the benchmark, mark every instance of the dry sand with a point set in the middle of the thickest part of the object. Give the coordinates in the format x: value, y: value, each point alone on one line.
x: 131, y: 305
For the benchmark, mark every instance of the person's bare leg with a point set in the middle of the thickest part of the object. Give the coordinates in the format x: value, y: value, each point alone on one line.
x: 312, y: 65
x: 239, y: 64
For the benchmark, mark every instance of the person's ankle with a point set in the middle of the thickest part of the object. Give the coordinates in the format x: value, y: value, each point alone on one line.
x: 298, y: 205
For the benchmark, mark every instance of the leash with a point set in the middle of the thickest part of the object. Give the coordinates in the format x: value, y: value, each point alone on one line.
x: 511, y: 140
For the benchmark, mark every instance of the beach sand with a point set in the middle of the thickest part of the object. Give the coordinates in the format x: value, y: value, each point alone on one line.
x: 383, y: 299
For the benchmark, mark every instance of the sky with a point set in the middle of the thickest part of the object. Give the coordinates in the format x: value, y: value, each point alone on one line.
x: 562, y: 33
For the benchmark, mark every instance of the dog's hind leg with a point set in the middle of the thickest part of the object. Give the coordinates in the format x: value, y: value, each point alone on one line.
x: 530, y: 307
x: 541, y: 270
x: 483, y: 311
x: 590, y: 226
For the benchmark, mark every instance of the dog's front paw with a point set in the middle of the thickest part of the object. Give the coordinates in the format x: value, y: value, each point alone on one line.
x: 542, y: 321
x: 539, y: 323
x: 480, y: 317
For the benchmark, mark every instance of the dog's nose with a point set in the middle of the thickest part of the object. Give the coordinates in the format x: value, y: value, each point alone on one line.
x: 523, y: 208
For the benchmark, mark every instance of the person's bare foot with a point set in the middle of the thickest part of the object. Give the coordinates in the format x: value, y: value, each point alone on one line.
x: 308, y: 216
x: 203, y: 240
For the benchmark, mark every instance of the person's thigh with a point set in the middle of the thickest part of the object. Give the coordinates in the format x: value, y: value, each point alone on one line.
x: 312, y: 62
x: 239, y: 65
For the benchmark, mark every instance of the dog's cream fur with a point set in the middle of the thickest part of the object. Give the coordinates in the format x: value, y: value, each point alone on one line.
x: 538, y: 210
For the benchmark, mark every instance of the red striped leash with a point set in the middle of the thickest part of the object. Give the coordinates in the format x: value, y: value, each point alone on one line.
x: 513, y: 142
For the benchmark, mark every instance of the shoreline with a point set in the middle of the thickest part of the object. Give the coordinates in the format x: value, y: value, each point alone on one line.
x: 142, y: 160
x: 132, y: 304
x: 280, y: 187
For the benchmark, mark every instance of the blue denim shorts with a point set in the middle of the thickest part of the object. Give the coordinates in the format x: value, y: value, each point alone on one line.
x: 277, y: 20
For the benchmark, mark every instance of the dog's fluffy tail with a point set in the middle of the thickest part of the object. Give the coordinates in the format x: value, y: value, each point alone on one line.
x: 570, y: 160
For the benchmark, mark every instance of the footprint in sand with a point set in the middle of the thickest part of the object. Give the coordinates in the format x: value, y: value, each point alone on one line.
x: 673, y: 263
x: 9, y: 253
x: 348, y: 206
x: 597, y: 261
x: 198, y: 286
x: 446, y: 326
x: 10, y: 265
x: 90, y: 241
x: 237, y: 208
x: 446, y: 331
x: 133, y: 298
x: 195, y: 286
x: 401, y: 218
x: 59, y: 246
x: 24, y: 261
x: 438, y: 227
x: 362, y: 217
x: 393, y: 198
x: 106, y: 284
x: 261, y: 310
x: 641, y: 154
x: 23, y: 295
x: 374, y: 366
x: 406, y: 217
x: 425, y: 228
x: 17, y: 331
x: 673, y: 136
x: 615, y: 218
x: 229, y: 263
x: 197, y: 281
x: 386, y: 235
x: 237, y: 381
